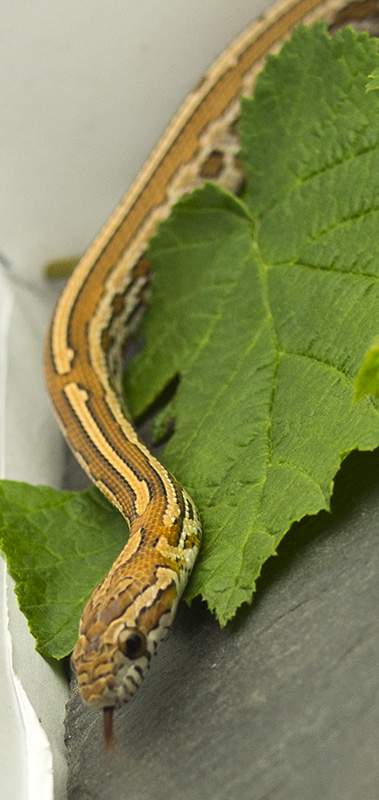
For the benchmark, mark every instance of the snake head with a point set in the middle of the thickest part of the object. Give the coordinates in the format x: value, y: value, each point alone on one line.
x: 107, y: 675
x: 117, y: 639
x: 110, y: 665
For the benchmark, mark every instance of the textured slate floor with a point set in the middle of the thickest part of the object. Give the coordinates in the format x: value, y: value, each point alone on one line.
x: 284, y: 704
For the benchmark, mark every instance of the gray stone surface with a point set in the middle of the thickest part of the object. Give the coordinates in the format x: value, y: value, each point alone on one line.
x: 284, y: 703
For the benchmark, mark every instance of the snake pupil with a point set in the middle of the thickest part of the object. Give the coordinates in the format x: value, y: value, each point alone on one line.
x: 134, y: 645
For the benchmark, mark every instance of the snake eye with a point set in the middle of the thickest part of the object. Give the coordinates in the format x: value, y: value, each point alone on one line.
x: 134, y: 645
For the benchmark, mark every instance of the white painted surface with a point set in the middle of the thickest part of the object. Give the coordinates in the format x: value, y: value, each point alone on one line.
x: 34, y: 766
x: 12, y: 740
x: 87, y: 88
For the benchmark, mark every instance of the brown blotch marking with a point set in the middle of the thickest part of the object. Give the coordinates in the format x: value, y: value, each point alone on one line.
x: 111, y: 612
x: 213, y: 164
x: 148, y: 618
x: 106, y: 341
x: 356, y: 10
x: 142, y: 267
x: 118, y: 303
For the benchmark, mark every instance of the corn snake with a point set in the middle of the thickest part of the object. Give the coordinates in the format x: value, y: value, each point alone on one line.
x: 133, y: 608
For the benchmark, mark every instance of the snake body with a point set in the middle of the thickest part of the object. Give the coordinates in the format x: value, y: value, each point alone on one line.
x: 132, y: 609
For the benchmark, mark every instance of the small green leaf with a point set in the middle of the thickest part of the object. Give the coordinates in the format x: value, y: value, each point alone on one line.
x: 367, y: 380
x: 61, y: 268
x: 58, y: 546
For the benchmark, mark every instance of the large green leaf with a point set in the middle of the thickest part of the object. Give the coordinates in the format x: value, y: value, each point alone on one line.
x: 265, y: 310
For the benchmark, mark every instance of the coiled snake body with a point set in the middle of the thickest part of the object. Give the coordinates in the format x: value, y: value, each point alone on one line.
x: 132, y: 609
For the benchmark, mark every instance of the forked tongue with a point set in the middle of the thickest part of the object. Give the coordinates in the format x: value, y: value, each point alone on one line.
x: 108, y: 727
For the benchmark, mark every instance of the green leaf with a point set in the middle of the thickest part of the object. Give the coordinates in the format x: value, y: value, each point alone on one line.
x: 265, y: 310
x: 58, y: 546
x: 367, y: 380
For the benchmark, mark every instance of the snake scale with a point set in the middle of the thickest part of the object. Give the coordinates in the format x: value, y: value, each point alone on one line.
x: 133, y: 608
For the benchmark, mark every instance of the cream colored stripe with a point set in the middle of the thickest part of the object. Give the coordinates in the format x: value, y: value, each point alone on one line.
x: 130, y: 549
x: 172, y: 508
x: 165, y: 577
x: 78, y: 398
